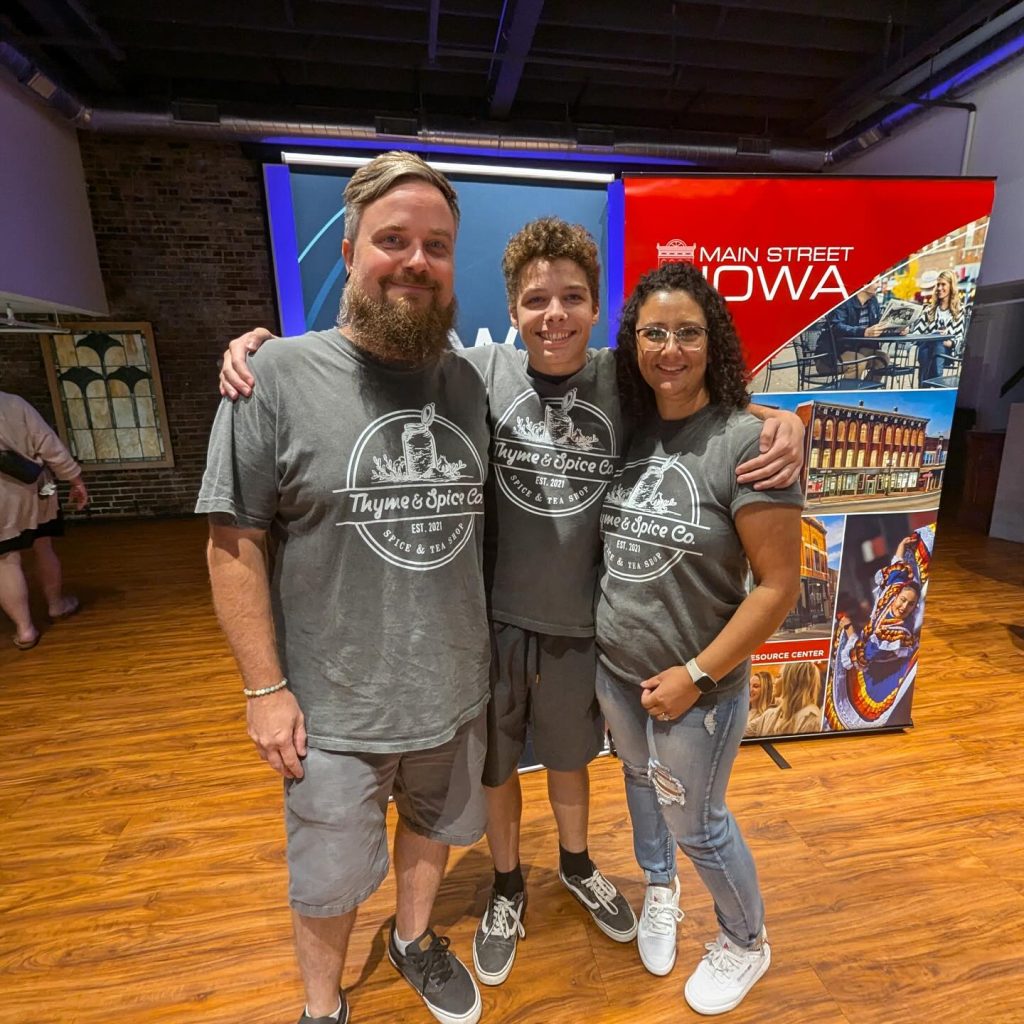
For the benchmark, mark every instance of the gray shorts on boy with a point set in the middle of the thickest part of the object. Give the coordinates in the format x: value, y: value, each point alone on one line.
x: 546, y: 682
x: 336, y: 815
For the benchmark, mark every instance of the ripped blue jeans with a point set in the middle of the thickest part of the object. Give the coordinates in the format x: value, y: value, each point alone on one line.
x: 676, y: 777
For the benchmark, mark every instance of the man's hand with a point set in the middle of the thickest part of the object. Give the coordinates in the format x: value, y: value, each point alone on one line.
x: 277, y: 727
x: 782, y: 453
x: 235, y: 378
x: 874, y: 331
x: 670, y: 693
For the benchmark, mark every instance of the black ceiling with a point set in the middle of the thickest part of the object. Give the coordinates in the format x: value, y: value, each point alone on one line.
x: 786, y: 70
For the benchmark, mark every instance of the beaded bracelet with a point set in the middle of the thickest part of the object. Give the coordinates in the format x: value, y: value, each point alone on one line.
x: 264, y: 690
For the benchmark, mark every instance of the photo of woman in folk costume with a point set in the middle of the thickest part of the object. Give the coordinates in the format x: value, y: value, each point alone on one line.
x: 875, y: 665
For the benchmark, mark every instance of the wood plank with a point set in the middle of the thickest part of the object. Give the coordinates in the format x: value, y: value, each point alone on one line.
x: 142, y: 857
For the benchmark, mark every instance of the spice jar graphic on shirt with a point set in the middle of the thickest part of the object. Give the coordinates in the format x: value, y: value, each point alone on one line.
x: 645, y: 491
x: 557, y: 420
x: 419, y: 446
x: 413, y: 488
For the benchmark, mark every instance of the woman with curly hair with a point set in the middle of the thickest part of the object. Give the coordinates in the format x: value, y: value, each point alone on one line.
x: 675, y: 623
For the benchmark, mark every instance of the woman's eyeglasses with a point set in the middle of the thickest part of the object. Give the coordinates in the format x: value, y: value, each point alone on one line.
x: 689, y: 336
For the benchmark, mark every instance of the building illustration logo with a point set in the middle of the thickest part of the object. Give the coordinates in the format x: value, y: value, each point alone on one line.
x: 413, y: 489
x: 675, y: 251
x: 651, y: 519
x: 553, y: 456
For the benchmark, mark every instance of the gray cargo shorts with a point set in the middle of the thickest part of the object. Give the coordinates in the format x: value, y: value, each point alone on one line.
x: 336, y: 814
x: 547, y: 682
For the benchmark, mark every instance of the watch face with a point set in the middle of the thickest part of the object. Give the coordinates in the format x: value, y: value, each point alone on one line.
x: 705, y: 683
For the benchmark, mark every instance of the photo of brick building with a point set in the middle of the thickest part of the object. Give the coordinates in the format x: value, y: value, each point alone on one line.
x: 880, y: 452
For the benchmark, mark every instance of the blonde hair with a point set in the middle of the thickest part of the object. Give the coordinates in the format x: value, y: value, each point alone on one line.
x: 764, y: 702
x: 550, y: 238
x: 799, y: 687
x: 956, y: 300
x: 381, y: 175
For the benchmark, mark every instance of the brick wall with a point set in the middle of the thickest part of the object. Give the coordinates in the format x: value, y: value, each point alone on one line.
x: 181, y: 233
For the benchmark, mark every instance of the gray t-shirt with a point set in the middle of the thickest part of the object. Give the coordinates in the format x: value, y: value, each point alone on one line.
x: 674, y: 568
x: 555, y: 447
x: 370, y: 480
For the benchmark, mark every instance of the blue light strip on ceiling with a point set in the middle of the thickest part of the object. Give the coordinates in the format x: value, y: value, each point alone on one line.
x: 550, y: 156
x: 958, y: 81
x: 285, y: 248
x: 979, y: 67
x: 616, y: 256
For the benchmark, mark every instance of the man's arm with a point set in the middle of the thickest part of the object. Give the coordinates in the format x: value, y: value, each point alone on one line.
x: 782, y: 450
x: 235, y: 378
x: 241, y: 598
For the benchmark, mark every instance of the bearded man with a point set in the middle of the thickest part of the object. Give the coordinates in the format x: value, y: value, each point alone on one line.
x: 345, y: 497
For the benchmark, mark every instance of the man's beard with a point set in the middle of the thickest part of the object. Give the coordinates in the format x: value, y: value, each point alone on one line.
x: 396, y: 332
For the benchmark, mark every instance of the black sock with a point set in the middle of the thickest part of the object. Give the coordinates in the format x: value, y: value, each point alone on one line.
x: 508, y: 883
x: 575, y: 863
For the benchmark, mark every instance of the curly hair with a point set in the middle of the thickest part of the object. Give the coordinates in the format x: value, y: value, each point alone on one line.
x: 550, y: 238
x: 726, y: 375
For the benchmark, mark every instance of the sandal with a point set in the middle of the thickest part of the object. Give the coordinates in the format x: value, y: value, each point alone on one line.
x: 27, y: 645
x: 71, y: 607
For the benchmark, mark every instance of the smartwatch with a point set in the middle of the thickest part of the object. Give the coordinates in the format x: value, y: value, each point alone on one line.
x: 700, y: 678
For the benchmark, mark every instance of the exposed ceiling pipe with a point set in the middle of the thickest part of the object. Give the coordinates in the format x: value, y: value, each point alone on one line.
x: 37, y: 81
x: 704, y: 150
x: 708, y: 153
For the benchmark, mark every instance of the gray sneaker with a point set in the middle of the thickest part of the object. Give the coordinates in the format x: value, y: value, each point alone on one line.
x: 608, y: 907
x: 342, y: 1017
x: 439, y: 976
x: 500, y: 929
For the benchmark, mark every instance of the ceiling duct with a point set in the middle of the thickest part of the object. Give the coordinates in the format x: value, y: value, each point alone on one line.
x: 199, y: 120
x: 195, y: 113
x: 403, y: 126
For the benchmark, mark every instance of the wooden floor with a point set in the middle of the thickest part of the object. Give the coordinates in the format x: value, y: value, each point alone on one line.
x: 142, y: 854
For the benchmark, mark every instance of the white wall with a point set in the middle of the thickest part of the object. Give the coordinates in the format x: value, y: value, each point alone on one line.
x: 47, y: 249
x: 933, y: 144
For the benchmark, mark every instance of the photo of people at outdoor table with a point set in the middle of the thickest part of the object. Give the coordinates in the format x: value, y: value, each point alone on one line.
x: 905, y: 328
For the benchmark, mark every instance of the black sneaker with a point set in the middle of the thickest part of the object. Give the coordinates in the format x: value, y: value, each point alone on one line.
x: 608, y: 907
x: 500, y: 929
x: 439, y: 976
x: 341, y: 1019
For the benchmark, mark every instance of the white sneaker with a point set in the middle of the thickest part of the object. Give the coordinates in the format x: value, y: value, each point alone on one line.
x: 656, y: 934
x: 726, y: 974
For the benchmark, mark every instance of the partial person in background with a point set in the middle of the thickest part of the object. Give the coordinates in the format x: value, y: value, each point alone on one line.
x: 30, y: 515
x: 762, y: 697
x: 945, y: 314
x: 799, y: 703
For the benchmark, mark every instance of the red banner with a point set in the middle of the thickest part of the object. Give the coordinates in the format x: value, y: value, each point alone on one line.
x: 785, y: 251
